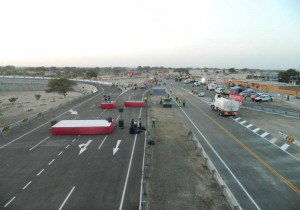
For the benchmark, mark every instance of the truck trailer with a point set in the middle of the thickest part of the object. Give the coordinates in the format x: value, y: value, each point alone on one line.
x: 224, y: 106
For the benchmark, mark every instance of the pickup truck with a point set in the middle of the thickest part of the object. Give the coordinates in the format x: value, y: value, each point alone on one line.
x: 263, y: 97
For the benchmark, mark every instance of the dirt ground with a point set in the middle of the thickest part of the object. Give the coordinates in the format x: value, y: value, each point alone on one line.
x: 178, y: 178
x: 27, y: 105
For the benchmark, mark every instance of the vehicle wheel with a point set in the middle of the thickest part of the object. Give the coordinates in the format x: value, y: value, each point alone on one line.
x: 260, y: 100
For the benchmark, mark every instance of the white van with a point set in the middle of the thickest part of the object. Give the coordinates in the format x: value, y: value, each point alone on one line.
x: 212, y: 86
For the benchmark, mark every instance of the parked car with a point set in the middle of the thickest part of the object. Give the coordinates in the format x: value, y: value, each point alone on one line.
x: 220, y: 90
x: 247, y: 93
x: 254, y: 96
x: 263, y: 97
x: 212, y: 86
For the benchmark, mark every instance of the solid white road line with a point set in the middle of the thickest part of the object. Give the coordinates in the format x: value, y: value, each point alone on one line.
x: 129, y: 166
x: 40, y: 172
x: 26, y: 185
x: 9, y: 201
x: 60, y: 153
x: 256, y: 129
x: 51, y: 162
x: 284, y: 146
x: 62, y: 205
x: 38, y: 143
x: 102, y: 142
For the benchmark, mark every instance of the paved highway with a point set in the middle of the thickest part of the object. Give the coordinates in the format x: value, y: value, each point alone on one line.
x: 41, y: 171
x: 260, y: 175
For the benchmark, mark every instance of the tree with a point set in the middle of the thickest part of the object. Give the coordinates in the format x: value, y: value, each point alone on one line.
x: 284, y: 76
x: 37, y: 96
x: 232, y: 70
x: 91, y: 73
x: 61, y: 86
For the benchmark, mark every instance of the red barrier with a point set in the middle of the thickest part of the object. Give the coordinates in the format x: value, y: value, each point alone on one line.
x: 81, y: 127
x: 111, y: 105
x: 134, y: 104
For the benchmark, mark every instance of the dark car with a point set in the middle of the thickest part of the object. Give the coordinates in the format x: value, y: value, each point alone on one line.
x: 167, y: 102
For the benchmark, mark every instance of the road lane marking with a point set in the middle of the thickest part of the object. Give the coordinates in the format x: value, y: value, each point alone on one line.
x: 255, y: 130
x: 67, y: 146
x: 251, y: 152
x: 40, y: 172
x: 243, y: 122
x: 273, y: 140
x: 51, y: 162
x: 250, y: 125
x: 9, y: 201
x: 62, y: 205
x: 38, y: 143
x: 236, y: 119
x: 284, y: 146
x: 129, y: 166
x: 264, y: 134
x: 60, y: 153
x: 26, y: 185
x: 92, y: 106
x: 118, y: 117
x: 25, y: 134
x: 102, y: 142
x: 74, y: 140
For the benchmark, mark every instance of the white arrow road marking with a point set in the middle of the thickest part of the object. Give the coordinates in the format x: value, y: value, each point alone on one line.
x: 117, y: 147
x: 83, y: 147
x: 73, y: 112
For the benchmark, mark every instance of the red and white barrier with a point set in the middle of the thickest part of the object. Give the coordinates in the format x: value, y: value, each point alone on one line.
x: 79, y: 127
x: 111, y: 105
x: 134, y: 104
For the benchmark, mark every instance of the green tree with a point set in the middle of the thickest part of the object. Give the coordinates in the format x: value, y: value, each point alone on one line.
x: 232, y: 70
x: 284, y: 76
x: 61, y: 86
x: 91, y: 73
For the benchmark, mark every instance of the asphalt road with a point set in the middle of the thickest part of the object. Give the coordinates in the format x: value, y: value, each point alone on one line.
x: 260, y: 175
x: 41, y: 171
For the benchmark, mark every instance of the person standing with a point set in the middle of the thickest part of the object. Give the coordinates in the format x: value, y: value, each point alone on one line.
x: 153, y: 122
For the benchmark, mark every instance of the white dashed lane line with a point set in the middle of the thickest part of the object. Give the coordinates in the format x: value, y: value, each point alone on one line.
x: 9, y: 201
x: 60, y: 153
x: 26, y: 185
x: 284, y: 146
x: 40, y: 172
x: 51, y: 162
x: 250, y: 125
x: 255, y: 130
x: 264, y: 134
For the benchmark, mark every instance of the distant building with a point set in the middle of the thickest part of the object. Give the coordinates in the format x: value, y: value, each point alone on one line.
x: 128, y: 73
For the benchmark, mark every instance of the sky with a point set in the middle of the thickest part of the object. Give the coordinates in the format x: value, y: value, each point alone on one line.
x: 259, y: 34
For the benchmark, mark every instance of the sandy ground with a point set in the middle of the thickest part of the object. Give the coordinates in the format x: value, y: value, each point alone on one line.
x: 27, y: 104
x: 178, y: 177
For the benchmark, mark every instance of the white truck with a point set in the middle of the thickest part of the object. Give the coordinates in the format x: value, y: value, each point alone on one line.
x: 224, y: 106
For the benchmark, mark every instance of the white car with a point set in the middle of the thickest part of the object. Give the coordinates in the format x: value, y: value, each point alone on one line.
x: 201, y: 94
x: 197, y: 83
x: 263, y: 97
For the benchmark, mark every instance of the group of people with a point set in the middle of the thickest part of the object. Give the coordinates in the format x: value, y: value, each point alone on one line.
x: 136, y: 127
x: 181, y: 102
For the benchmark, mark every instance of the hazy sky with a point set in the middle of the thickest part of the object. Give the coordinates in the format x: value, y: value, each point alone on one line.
x: 261, y: 34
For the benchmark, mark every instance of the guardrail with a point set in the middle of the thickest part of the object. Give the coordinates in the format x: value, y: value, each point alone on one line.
x: 277, y: 111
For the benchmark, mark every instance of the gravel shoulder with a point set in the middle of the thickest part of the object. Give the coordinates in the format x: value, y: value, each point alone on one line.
x: 178, y: 178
